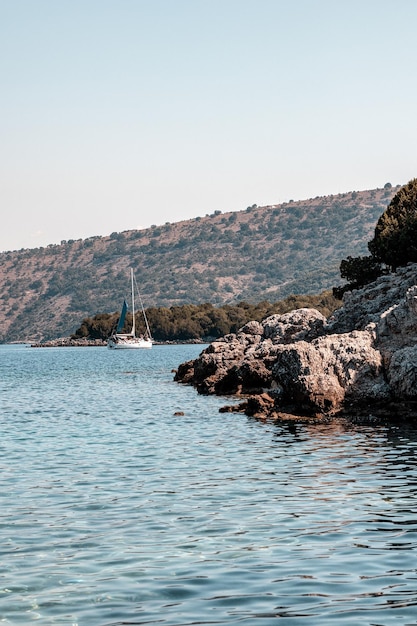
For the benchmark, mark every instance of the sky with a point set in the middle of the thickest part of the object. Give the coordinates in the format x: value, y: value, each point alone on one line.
x: 120, y: 114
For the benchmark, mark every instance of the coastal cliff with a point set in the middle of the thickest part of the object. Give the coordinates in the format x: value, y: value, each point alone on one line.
x: 361, y: 361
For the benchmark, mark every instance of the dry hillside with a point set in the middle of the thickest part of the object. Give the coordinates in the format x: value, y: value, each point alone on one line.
x: 262, y: 253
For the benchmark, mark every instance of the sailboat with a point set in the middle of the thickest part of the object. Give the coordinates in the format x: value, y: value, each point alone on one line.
x: 123, y: 341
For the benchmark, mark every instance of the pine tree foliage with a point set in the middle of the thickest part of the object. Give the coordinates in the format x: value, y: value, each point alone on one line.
x: 359, y: 271
x: 395, y: 239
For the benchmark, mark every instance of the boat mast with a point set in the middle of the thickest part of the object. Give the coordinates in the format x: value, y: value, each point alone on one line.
x: 133, y: 304
x: 148, y: 330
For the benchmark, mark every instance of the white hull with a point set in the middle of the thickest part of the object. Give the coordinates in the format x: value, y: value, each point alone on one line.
x: 128, y: 343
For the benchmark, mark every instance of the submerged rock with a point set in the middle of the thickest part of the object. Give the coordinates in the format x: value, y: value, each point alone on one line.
x: 363, y: 358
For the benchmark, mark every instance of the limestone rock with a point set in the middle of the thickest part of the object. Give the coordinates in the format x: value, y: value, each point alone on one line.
x: 241, y: 362
x: 366, y: 305
x: 397, y: 326
x: 294, y: 326
x: 252, y: 328
x: 402, y: 373
x: 321, y: 375
x: 364, y: 356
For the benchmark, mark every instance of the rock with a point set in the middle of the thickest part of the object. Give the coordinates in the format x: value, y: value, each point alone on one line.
x: 68, y: 342
x: 242, y: 362
x: 252, y: 328
x: 234, y: 408
x: 260, y: 405
x: 185, y: 373
x: 362, y: 360
x: 397, y: 326
x: 402, y: 373
x: 294, y: 326
x: 320, y: 375
x: 366, y: 305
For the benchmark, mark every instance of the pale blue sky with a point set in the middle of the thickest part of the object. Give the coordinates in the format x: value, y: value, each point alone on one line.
x: 119, y: 114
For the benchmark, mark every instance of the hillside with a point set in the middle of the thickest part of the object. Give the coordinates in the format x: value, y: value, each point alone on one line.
x: 262, y: 253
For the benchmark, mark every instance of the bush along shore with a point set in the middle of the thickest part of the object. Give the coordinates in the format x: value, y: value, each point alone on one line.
x: 360, y: 362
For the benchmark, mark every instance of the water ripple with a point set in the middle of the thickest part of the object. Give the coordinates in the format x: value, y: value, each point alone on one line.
x: 113, y: 510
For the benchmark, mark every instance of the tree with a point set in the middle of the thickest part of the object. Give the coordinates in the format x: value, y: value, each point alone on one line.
x: 359, y: 271
x: 395, y: 239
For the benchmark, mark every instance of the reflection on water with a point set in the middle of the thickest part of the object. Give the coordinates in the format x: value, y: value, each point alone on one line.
x: 113, y: 510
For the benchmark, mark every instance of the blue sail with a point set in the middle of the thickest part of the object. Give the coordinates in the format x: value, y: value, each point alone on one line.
x: 122, y: 318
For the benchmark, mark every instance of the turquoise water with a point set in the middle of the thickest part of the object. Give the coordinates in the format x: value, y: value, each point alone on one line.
x: 114, y: 510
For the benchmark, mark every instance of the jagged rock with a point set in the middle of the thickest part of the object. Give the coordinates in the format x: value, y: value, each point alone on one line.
x: 260, y: 405
x: 402, y: 373
x: 252, y: 328
x: 185, y: 373
x: 397, y: 325
x: 363, y: 359
x: 294, y: 326
x: 364, y: 306
x: 320, y: 375
x: 242, y: 362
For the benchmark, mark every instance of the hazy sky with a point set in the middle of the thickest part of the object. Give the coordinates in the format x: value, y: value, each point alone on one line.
x: 119, y: 114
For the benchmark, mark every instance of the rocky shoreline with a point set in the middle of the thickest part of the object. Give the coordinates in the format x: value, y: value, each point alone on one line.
x: 360, y: 363
x: 67, y: 342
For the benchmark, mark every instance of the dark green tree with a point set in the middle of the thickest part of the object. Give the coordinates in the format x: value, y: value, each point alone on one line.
x: 358, y: 271
x: 204, y: 321
x: 395, y: 238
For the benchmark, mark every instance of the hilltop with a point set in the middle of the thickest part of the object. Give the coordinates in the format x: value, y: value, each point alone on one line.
x: 261, y: 253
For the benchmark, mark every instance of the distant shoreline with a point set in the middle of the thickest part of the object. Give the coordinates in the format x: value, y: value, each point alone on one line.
x: 67, y: 342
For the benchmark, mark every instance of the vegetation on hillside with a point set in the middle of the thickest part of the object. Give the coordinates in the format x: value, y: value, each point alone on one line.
x: 202, y: 322
x: 394, y: 244
x: 260, y: 253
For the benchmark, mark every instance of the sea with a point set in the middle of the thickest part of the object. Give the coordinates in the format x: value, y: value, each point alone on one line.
x: 127, y: 498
